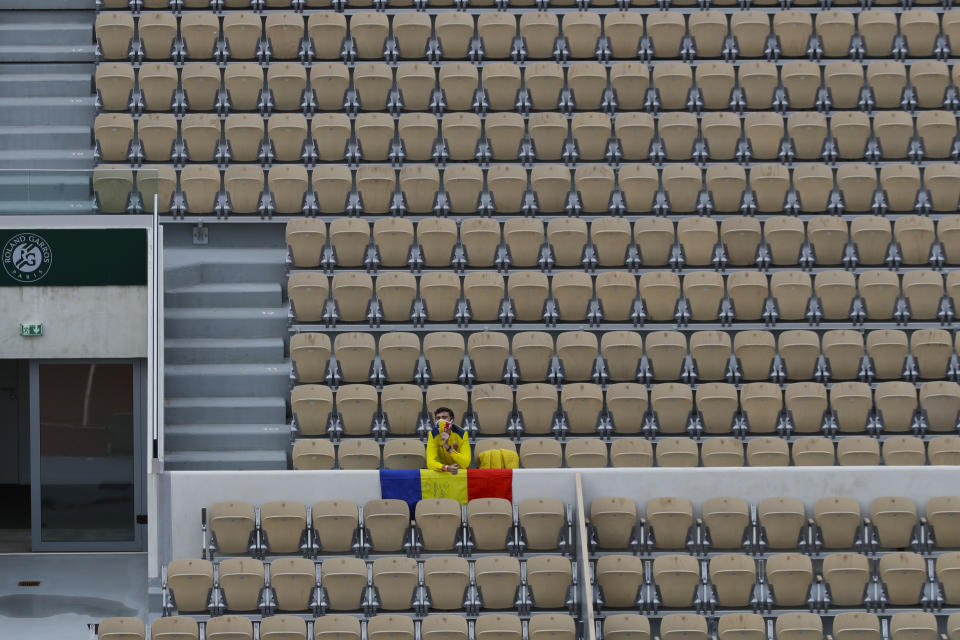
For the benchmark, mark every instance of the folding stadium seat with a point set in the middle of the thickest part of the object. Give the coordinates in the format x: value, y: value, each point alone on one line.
x: 799, y: 351
x: 715, y: 82
x: 672, y: 81
x: 372, y: 82
x: 904, y: 450
x: 411, y: 31
x: 913, y: 624
x: 355, y: 352
x: 623, y: 31
x: 287, y: 82
x: 282, y: 627
x: 335, y: 523
x: 874, y: 234
x: 419, y: 185
x: 114, y: 133
x: 376, y: 184
x: 200, y: 184
x: 581, y: 32
x: 329, y: 83
x: 770, y: 183
x: 711, y: 351
x: 399, y: 352
x: 458, y: 82
x: 670, y: 519
x: 157, y: 31
x: 498, y: 625
x: 114, y: 31
x: 782, y: 519
x: 548, y: 132
x: 886, y: 80
x: 733, y: 577
x: 748, y: 290
x: 583, y: 453
x: 708, y: 30
x: 447, y: 395
x: 492, y: 403
x: 284, y: 33
x: 417, y: 133
x: 676, y: 577
x: 243, y: 83
x: 666, y: 351
x: 761, y: 404
x: 591, y: 132
x: 764, y: 132
x: 542, y: 520
x: 768, y: 452
x: 929, y: 79
x: 742, y: 625
x: 660, y: 291
x: 758, y: 81
x: 463, y: 184
x: 630, y: 81
x: 678, y: 131
x: 497, y: 33
x: 288, y: 134
x: 619, y: 577
x: 843, y: 349
x: 924, y: 291
x: 447, y: 579
x: 344, y: 580
x: 244, y: 186
x: 722, y: 452
x: 114, y: 82
x: 944, y: 450
x: 790, y: 575
x: 836, y: 291
x: 904, y: 575
x: 879, y: 290
x: 577, y: 351
x: 288, y: 185
x: 551, y: 183
x: 540, y: 453
x: 894, y: 130
x: 369, y: 31
x: 356, y: 404
x: 751, y: 30
x: 158, y: 83
x: 549, y: 625
x: 877, y: 29
x: 808, y: 132
x: 937, y: 130
x: 857, y: 182
x: 396, y: 292
x: 894, y: 519
x: 887, y: 349
x: 237, y: 627
x: 942, y: 515
x: 416, y: 83
x: 488, y: 352
x: 539, y: 31
x: 241, y: 580
x: 444, y: 351
x: 843, y: 79
x: 121, y: 629
x: 940, y: 401
x: 501, y: 82
x: 497, y: 578
x: 395, y: 580
x: 454, y: 32
x: 507, y: 184
x: 337, y: 626
x: 504, y: 132
x: 798, y: 626
x: 200, y: 133
x: 537, y: 403
x: 437, y: 237
x: 387, y: 521
x: 901, y: 183
x: 941, y: 181
x: 726, y: 518
x: 677, y: 452
x: 793, y: 30
x: 801, y: 81
x: 595, y: 185
x: 283, y: 523
x: 200, y: 32
x: 451, y: 627
x: 915, y: 235
x: 717, y: 403
x: 858, y: 451
x: 190, y: 582
x: 374, y: 134
x: 241, y: 34
x: 851, y: 403
x: 828, y: 235
x: 791, y: 290
x: 549, y: 579
x: 244, y: 134
x: 440, y: 292
x: 480, y: 237
x: 635, y: 132
x: 315, y: 454
x: 393, y: 237
x: 835, y: 29
x: 587, y: 82
x: 813, y: 451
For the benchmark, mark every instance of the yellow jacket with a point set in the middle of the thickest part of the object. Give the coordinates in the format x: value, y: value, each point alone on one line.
x: 437, y: 456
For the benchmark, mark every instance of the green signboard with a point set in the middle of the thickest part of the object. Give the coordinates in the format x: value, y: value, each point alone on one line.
x: 73, y: 257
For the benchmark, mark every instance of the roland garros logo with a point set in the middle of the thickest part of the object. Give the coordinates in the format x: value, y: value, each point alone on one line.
x: 27, y: 258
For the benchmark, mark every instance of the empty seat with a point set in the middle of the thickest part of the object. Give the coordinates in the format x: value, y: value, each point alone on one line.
x: 813, y: 451
x: 497, y: 578
x: 858, y: 451
x: 677, y: 452
x: 677, y: 577
x: 190, y: 582
x: 241, y: 580
x: 894, y: 518
x: 790, y: 575
x: 114, y: 30
x: 903, y: 574
x: 851, y: 402
x: 670, y: 519
x: 913, y: 624
x: 121, y: 629
x: 315, y: 454
x: 619, y: 577
x: 733, y: 576
x: 237, y: 627
x: 447, y: 579
x: 359, y: 453
x: 903, y: 450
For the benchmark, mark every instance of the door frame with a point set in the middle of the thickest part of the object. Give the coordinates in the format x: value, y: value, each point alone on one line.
x: 139, y: 463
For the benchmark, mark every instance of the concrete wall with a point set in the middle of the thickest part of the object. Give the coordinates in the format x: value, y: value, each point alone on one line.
x: 78, y: 322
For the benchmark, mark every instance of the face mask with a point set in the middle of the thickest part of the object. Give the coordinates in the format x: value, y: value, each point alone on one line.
x: 444, y: 425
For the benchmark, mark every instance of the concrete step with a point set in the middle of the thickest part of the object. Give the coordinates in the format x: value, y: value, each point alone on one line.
x: 225, y: 460
x: 41, y: 83
x: 43, y: 137
x: 226, y: 294
x: 48, y: 53
x: 219, y: 322
x: 223, y: 350
x: 57, y: 28
x: 48, y: 5
x: 25, y: 188
x: 198, y: 265
x: 45, y: 207
x: 227, y: 380
x: 226, y: 437
x: 59, y: 110
x: 49, y: 159
x: 217, y: 410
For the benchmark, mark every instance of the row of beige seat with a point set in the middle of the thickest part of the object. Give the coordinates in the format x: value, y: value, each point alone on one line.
x: 776, y: 523
x: 538, y: 408
x: 602, y: 6
x: 544, y: 626
x: 786, y: 580
x: 694, y: 241
x: 504, y: 137
x: 622, y: 297
x: 572, y: 356
x: 289, y: 35
x: 580, y: 453
x: 442, y: 583
x: 384, y: 526
x: 420, y: 189
x: 541, y: 86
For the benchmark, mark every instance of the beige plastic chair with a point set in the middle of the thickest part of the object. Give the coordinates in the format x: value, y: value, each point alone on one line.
x: 620, y: 577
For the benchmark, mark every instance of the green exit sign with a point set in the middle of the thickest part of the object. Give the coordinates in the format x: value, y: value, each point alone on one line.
x: 34, y: 329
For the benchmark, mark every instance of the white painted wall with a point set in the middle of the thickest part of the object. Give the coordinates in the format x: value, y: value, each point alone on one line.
x: 78, y: 322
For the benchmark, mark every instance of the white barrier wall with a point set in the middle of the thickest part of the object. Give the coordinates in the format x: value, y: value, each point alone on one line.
x: 184, y: 493
x: 756, y: 483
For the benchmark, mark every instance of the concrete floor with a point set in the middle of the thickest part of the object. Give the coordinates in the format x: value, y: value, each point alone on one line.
x: 75, y: 589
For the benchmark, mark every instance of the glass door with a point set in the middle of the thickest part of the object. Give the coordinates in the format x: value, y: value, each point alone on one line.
x: 86, y: 455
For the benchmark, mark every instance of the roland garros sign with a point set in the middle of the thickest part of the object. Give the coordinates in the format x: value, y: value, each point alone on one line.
x: 73, y: 257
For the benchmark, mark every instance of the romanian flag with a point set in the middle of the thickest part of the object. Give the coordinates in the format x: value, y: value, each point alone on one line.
x: 421, y: 484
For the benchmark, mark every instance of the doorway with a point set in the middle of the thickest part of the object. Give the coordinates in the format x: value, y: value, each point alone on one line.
x: 14, y: 457
x: 87, y: 462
